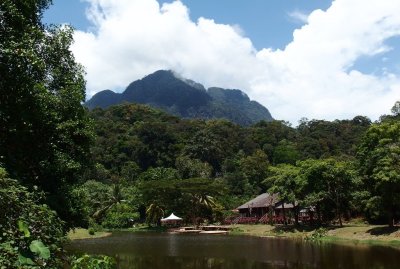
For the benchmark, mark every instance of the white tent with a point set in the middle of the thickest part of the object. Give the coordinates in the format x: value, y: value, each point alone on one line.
x: 171, y: 218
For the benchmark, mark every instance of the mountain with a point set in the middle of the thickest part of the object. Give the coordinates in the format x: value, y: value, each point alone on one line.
x: 185, y: 98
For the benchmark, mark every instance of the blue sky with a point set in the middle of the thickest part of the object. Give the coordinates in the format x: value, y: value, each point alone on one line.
x: 300, y: 58
x: 266, y: 22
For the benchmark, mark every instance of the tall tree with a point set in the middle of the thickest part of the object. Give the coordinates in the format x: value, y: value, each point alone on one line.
x: 329, y: 186
x: 284, y: 179
x: 44, y: 130
x: 379, y: 157
x: 254, y: 168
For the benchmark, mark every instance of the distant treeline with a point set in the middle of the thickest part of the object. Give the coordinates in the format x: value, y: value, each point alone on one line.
x: 330, y: 165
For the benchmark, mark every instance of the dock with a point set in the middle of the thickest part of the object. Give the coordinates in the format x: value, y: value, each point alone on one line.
x: 208, y: 229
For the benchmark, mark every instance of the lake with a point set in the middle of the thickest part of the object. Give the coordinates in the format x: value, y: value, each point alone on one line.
x: 178, y: 251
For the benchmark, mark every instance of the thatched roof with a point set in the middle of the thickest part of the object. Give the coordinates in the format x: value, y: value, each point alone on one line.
x: 286, y: 205
x: 263, y: 200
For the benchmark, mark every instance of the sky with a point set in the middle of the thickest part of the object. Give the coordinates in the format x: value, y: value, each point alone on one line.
x: 319, y: 59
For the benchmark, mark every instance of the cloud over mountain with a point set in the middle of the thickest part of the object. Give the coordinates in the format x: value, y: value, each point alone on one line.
x: 313, y: 76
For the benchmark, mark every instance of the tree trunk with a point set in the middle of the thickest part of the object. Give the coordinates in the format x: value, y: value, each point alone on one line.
x: 296, y: 214
x: 338, y: 213
x: 340, y: 219
x: 284, y: 213
x: 319, y: 215
x: 271, y: 215
x: 390, y: 218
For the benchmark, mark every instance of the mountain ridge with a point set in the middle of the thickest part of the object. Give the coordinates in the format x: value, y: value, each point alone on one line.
x: 166, y: 90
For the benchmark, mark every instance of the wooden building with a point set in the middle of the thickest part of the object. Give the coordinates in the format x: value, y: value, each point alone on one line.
x: 265, y: 208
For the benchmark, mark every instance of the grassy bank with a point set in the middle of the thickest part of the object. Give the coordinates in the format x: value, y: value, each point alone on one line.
x: 369, y: 234
x: 80, y: 233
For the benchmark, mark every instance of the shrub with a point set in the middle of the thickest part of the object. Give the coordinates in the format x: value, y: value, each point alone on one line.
x: 317, y: 234
x: 120, y: 216
x: 93, y: 262
x: 31, y: 234
x: 91, y: 231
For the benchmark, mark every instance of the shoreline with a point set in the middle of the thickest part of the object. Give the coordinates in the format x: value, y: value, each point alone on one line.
x: 348, y: 234
x: 353, y: 234
x: 81, y: 234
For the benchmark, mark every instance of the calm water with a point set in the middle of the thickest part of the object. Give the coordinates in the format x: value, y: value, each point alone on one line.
x: 179, y: 251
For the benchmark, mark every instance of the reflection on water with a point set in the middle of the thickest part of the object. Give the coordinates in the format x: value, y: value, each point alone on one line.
x: 181, y: 251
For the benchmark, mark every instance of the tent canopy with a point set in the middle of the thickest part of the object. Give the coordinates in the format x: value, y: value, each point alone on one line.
x: 171, y: 218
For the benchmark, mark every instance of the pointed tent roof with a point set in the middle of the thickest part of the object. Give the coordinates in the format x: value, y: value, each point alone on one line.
x: 171, y: 217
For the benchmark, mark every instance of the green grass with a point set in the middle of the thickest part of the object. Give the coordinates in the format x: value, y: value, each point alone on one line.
x: 142, y: 228
x: 352, y: 233
x: 80, y: 233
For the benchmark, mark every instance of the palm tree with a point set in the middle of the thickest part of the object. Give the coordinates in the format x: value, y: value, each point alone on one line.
x: 114, y: 199
x: 200, y: 201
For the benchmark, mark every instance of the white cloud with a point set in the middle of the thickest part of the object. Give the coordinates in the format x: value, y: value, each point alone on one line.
x: 312, y: 77
x: 298, y: 16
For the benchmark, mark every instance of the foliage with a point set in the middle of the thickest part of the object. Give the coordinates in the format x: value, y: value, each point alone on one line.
x: 324, y: 139
x: 91, y: 231
x: 31, y: 234
x: 191, y: 168
x: 379, y: 157
x: 120, y: 216
x: 285, y: 179
x: 154, y: 214
x: 94, y: 262
x: 317, y: 234
x: 130, y: 171
x: 285, y: 152
x: 159, y: 173
x: 329, y: 185
x: 112, y: 205
x: 254, y: 168
x: 193, y: 198
x: 44, y: 130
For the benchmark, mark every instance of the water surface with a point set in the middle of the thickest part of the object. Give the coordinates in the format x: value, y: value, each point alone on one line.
x: 183, y: 251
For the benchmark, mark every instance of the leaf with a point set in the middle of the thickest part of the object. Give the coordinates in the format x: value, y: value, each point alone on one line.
x: 40, y: 249
x: 23, y: 227
x: 24, y: 260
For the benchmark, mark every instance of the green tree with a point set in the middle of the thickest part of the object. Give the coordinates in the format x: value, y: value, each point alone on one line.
x: 199, y: 197
x: 284, y: 179
x: 98, y: 201
x: 268, y: 134
x: 237, y: 183
x: 114, y: 198
x: 285, y: 152
x: 254, y: 168
x: 193, y: 198
x: 215, y: 142
x: 191, y: 168
x: 121, y: 215
x: 44, y: 130
x: 159, y: 173
x: 379, y: 157
x: 130, y: 171
x: 154, y: 213
x: 329, y: 186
